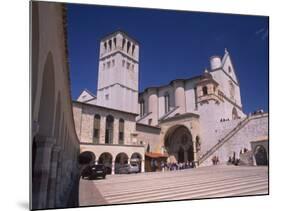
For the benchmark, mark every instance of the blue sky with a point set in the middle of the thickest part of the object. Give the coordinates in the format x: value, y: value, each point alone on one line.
x: 173, y: 44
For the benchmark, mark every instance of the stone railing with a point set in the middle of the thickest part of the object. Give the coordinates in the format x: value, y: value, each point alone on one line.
x: 222, y: 141
x: 168, y: 113
x: 144, y: 116
x: 240, y: 125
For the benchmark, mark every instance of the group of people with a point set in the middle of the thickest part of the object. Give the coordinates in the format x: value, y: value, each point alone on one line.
x: 224, y: 120
x: 215, y: 160
x: 242, y: 151
x: 233, y: 160
x: 260, y: 111
x: 173, y: 166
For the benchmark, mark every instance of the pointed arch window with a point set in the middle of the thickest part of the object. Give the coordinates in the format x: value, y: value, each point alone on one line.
x: 128, y: 46
x: 96, y: 131
x: 229, y: 69
x: 110, y: 44
x: 231, y: 90
x: 167, y: 102
x: 123, y: 43
x: 109, y: 129
x: 142, y: 108
x: 121, y: 131
x: 133, y: 49
x: 114, y: 40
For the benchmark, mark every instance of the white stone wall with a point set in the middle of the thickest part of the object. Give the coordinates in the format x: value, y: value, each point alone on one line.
x: 256, y: 128
x: 209, y: 116
x: 224, y: 79
x: 161, y: 101
x: 148, y: 135
x: 84, y: 119
x: 212, y: 129
x: 179, y: 95
x: 153, y: 105
x: 228, y: 63
x: 190, y: 96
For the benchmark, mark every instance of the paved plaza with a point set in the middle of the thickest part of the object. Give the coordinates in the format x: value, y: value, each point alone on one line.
x: 205, y: 182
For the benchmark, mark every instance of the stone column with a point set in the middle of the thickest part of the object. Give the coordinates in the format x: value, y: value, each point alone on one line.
x: 53, y: 177
x: 142, y: 165
x: 179, y: 95
x: 41, y: 172
x: 59, y: 179
x: 194, y: 153
x: 113, y: 167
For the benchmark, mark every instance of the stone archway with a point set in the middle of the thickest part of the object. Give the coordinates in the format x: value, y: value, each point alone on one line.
x: 179, y: 145
x: 121, y: 159
x: 137, y: 159
x: 106, y: 159
x: 261, y: 156
x: 86, y: 157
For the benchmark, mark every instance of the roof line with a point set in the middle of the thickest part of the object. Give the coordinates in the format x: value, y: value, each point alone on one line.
x: 171, y: 82
x: 155, y: 127
x: 91, y: 93
x: 93, y: 105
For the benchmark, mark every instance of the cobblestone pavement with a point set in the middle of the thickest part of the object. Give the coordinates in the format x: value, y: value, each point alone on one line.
x: 205, y: 182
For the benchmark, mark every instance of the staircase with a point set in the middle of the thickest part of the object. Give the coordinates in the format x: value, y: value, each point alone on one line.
x: 168, y: 113
x: 235, y: 130
x: 221, y: 142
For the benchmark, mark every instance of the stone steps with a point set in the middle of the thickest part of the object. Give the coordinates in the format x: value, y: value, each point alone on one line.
x: 205, y: 182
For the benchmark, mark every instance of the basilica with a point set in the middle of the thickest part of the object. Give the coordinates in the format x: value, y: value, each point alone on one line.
x: 186, y: 120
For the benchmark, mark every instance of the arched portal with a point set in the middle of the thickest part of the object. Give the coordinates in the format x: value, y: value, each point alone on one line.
x: 106, y: 159
x: 179, y: 145
x: 121, y: 159
x: 261, y: 156
x: 181, y: 155
x: 137, y: 159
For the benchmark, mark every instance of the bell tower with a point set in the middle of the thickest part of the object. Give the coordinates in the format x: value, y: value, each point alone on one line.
x: 118, y: 75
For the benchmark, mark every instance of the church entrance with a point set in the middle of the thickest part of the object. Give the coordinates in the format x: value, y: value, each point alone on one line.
x: 261, y: 156
x: 181, y: 155
x: 179, y: 145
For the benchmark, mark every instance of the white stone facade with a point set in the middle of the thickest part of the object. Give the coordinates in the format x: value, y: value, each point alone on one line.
x: 208, y: 106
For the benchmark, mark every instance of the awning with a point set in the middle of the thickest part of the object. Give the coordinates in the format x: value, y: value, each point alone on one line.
x: 156, y: 155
